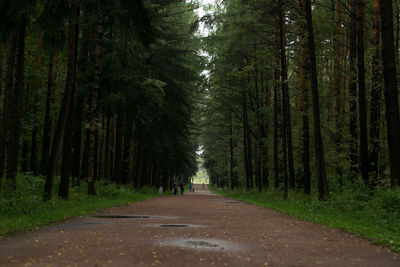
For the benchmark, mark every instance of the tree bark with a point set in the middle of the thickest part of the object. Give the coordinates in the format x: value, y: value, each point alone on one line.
x: 391, y: 94
x: 276, y: 113
x: 93, y: 108
x: 119, y: 148
x: 376, y: 95
x: 362, y: 107
x: 33, y: 158
x: 304, y: 74
x: 127, y: 152
x: 47, y: 118
x: 63, y: 190
x: 107, y: 149
x: 285, y: 94
x: 246, y: 138
x: 353, y: 90
x: 338, y: 92
x: 73, y: 33
x: 16, y: 111
x: 318, y: 143
x: 9, y: 81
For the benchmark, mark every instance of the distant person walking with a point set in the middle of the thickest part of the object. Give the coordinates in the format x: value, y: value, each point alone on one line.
x: 175, y: 189
x: 190, y: 188
x: 181, y: 185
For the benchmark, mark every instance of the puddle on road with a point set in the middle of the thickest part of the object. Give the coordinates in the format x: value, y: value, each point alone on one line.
x: 202, y: 244
x: 175, y: 225
x: 232, y: 202
x: 130, y: 216
x: 118, y: 216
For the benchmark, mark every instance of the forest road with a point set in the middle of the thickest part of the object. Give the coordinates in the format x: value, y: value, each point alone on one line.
x: 196, y: 229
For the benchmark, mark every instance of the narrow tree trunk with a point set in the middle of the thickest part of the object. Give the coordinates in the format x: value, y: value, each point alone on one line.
x: 338, y: 92
x: 33, y: 166
x: 63, y: 190
x: 16, y: 111
x: 85, y: 158
x: 318, y: 144
x: 391, y: 94
x: 119, y: 148
x: 47, y: 118
x: 76, y: 144
x: 127, y: 151
x: 93, y: 109
x: 73, y: 33
x: 285, y: 94
x: 231, y: 150
x: 304, y: 85
x: 376, y: 94
x: 78, y: 111
x: 9, y: 81
x: 2, y: 58
x: 107, y: 149
x: 276, y: 111
x: 353, y: 91
x: 362, y: 107
x: 246, y: 138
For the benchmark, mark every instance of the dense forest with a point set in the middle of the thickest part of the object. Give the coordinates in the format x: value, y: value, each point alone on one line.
x: 302, y: 95
x: 98, y: 90
x: 292, y: 95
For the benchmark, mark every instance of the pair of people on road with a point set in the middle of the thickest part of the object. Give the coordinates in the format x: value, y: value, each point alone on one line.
x: 181, y: 186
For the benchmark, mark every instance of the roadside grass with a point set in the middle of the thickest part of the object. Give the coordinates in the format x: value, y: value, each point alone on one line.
x: 24, y: 209
x: 376, y: 217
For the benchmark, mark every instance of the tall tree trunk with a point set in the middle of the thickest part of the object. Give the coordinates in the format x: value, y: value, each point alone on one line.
x: 304, y: 85
x: 376, y: 94
x: 231, y: 150
x: 85, y: 158
x: 285, y: 94
x: 119, y: 148
x: 47, y: 118
x: 112, y: 148
x: 285, y: 97
x: 353, y: 90
x: 9, y: 81
x: 362, y: 107
x: 78, y: 111
x: 63, y: 190
x: 16, y: 111
x: 73, y: 33
x: 246, y: 138
x: 93, y: 108
x: 338, y: 91
x: 107, y: 149
x: 276, y: 112
x: 318, y: 144
x: 127, y: 151
x: 2, y: 58
x: 391, y: 95
x: 33, y: 158
x: 76, y: 144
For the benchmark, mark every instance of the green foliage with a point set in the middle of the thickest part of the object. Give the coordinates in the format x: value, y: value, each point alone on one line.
x: 374, y: 217
x: 24, y: 208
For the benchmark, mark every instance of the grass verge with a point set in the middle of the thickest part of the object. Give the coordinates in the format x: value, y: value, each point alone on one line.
x: 375, y: 218
x: 24, y: 209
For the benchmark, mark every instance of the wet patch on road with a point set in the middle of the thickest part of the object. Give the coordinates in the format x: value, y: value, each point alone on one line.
x: 175, y: 225
x: 232, y: 202
x: 130, y: 216
x: 203, y: 244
